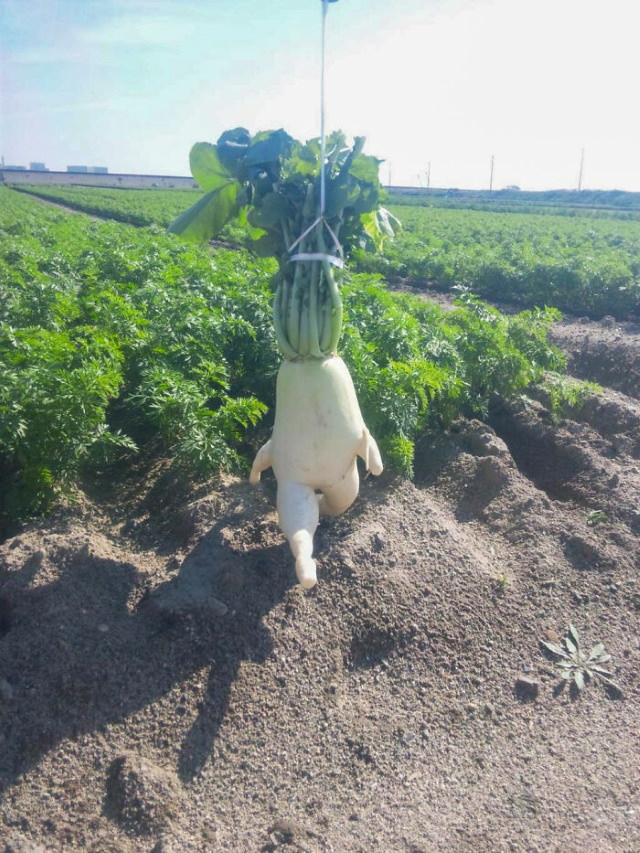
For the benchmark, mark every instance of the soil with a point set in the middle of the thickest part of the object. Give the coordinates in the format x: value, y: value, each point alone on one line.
x: 166, y: 686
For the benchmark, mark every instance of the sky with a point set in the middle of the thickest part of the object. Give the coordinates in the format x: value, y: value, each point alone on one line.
x: 436, y: 86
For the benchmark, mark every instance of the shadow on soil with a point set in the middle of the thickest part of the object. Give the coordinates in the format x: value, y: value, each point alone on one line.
x: 102, y: 653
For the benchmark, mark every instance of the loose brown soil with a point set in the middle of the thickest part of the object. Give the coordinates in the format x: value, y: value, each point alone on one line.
x: 166, y: 686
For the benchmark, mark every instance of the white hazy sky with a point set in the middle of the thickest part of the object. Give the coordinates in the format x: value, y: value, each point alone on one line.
x: 132, y: 84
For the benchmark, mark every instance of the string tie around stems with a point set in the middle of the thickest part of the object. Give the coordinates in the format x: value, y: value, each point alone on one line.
x: 336, y: 260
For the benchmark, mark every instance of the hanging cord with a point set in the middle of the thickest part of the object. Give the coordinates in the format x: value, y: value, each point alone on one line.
x: 323, y: 135
x: 336, y: 260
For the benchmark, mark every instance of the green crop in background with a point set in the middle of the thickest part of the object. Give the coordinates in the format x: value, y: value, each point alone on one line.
x: 114, y: 338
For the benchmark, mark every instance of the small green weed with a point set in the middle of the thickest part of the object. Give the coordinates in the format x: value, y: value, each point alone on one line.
x: 501, y: 584
x: 579, y: 666
x: 597, y: 516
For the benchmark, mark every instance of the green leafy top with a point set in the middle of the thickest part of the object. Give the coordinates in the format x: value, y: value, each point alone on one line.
x: 271, y: 182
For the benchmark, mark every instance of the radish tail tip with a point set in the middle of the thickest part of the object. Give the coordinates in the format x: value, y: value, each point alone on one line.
x: 306, y: 572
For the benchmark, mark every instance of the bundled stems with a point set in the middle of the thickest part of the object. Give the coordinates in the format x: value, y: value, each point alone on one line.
x: 335, y: 299
x: 314, y: 313
x: 280, y: 309
x: 307, y: 309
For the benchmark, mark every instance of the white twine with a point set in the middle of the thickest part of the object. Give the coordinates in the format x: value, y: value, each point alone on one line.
x: 318, y: 256
x: 335, y: 260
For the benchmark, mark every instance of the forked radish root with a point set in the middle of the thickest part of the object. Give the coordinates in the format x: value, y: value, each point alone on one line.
x: 317, y: 435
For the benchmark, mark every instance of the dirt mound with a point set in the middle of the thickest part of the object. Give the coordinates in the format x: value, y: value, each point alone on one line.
x: 165, y: 685
x: 607, y: 352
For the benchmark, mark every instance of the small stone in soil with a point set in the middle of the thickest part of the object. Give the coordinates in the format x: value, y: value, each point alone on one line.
x: 527, y: 688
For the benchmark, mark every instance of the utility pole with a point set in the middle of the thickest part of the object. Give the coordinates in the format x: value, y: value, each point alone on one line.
x: 581, y: 170
x: 491, y: 174
x: 428, y: 175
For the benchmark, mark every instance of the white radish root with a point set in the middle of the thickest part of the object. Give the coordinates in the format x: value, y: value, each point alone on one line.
x: 317, y: 435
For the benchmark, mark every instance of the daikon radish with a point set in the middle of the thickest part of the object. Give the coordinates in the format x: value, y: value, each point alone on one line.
x: 307, y: 205
x: 318, y: 433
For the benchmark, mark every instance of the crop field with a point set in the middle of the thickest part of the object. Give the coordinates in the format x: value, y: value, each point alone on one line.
x: 136, y: 207
x: 611, y: 204
x: 112, y: 334
x: 583, y: 265
x: 464, y: 678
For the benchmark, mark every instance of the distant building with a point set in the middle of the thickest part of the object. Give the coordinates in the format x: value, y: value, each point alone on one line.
x: 89, y: 170
x: 38, y: 167
x: 30, y: 177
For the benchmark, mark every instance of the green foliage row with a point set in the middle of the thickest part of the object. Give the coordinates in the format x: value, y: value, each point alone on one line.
x: 590, y: 203
x: 135, y: 207
x: 583, y: 266
x: 114, y: 338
